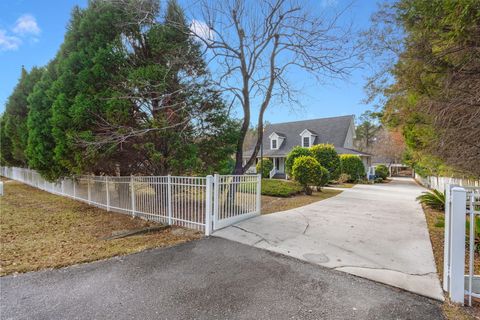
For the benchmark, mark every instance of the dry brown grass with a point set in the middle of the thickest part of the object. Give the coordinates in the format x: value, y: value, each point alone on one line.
x: 41, y: 230
x: 274, y: 204
x: 451, y: 311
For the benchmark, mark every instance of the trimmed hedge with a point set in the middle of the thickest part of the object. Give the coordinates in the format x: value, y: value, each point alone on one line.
x: 280, y: 188
x: 264, y: 167
x: 328, y: 158
x: 294, y: 154
x: 353, y: 166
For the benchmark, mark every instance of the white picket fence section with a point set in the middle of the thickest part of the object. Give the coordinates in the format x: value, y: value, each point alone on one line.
x: 460, y: 203
x: 440, y: 183
x: 202, y: 203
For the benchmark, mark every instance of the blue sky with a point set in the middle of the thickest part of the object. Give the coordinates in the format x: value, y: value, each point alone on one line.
x: 32, y: 31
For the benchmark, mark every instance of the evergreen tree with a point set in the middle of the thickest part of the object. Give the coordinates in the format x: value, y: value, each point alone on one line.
x: 16, y: 112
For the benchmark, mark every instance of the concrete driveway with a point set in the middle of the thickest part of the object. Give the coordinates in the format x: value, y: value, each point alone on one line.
x: 372, y: 231
x: 206, y: 279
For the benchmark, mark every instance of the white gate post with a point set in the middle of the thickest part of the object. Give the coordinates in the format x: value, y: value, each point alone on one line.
x: 216, y: 192
x: 447, y: 243
x: 74, y: 182
x: 89, y: 191
x: 169, y: 198
x: 108, y: 193
x: 132, y: 192
x: 457, y: 239
x: 259, y: 194
x: 208, y: 205
x: 63, y: 187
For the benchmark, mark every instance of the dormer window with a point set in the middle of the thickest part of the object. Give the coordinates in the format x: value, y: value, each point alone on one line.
x: 306, y: 142
x: 307, y: 138
x: 276, y: 140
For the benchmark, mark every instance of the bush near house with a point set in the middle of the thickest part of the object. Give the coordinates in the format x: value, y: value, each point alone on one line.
x: 280, y: 188
x: 324, y: 178
x: 353, y: 166
x: 308, y: 172
x: 294, y: 154
x: 328, y: 158
x: 381, y: 171
x: 264, y: 167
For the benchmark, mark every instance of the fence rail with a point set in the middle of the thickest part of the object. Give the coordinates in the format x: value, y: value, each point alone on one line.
x: 440, y: 183
x: 185, y: 201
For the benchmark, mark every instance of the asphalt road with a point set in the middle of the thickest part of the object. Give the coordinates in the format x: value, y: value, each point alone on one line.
x: 207, y: 279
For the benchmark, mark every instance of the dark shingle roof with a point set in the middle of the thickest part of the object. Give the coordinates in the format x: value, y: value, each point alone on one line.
x: 328, y: 130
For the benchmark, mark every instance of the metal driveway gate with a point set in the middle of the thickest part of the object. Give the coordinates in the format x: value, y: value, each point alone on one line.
x: 235, y: 198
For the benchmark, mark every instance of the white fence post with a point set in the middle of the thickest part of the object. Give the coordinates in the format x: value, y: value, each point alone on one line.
x: 169, y: 198
x: 208, y: 205
x: 108, y: 193
x: 447, y: 244
x: 259, y: 193
x: 457, y: 243
x: 132, y: 192
x: 89, y: 191
x: 216, y: 198
x: 63, y: 187
x: 74, y: 191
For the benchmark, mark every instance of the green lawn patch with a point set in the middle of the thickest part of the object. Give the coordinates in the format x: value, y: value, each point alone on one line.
x: 280, y: 188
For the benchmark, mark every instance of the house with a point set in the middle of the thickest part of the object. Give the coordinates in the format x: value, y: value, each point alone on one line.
x: 280, y: 138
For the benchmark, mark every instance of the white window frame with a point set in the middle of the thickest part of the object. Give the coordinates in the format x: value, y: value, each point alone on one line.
x: 276, y: 144
x: 309, y: 141
x: 307, y: 134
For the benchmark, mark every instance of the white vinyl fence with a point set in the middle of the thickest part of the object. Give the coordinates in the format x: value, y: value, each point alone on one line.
x: 460, y: 203
x: 201, y: 203
x: 440, y: 183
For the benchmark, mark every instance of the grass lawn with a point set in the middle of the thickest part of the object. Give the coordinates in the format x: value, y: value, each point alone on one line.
x: 274, y: 204
x: 41, y: 230
x: 435, y: 222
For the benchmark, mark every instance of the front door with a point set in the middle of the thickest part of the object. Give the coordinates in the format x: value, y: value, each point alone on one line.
x: 281, y: 165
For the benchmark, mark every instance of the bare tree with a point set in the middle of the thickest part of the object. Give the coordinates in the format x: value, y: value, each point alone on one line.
x: 254, y: 45
x: 389, y: 146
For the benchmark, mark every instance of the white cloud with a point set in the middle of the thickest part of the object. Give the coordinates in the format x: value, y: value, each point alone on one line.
x: 7, y: 42
x: 26, y: 24
x: 201, y: 30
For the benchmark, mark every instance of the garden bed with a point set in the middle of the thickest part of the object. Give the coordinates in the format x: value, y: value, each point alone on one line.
x: 275, y: 204
x: 41, y: 230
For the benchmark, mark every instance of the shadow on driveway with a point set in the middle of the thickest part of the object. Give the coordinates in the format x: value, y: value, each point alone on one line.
x: 207, y: 279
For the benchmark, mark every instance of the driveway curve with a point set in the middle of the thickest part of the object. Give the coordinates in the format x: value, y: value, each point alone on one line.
x: 375, y: 231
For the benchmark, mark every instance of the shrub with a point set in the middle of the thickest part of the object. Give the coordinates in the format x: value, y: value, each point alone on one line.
x: 280, y: 188
x: 381, y: 171
x: 342, y: 178
x: 328, y: 158
x: 307, y: 171
x: 324, y: 178
x: 294, y: 154
x: 434, y: 199
x: 353, y: 166
x: 264, y: 167
x: 378, y: 180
